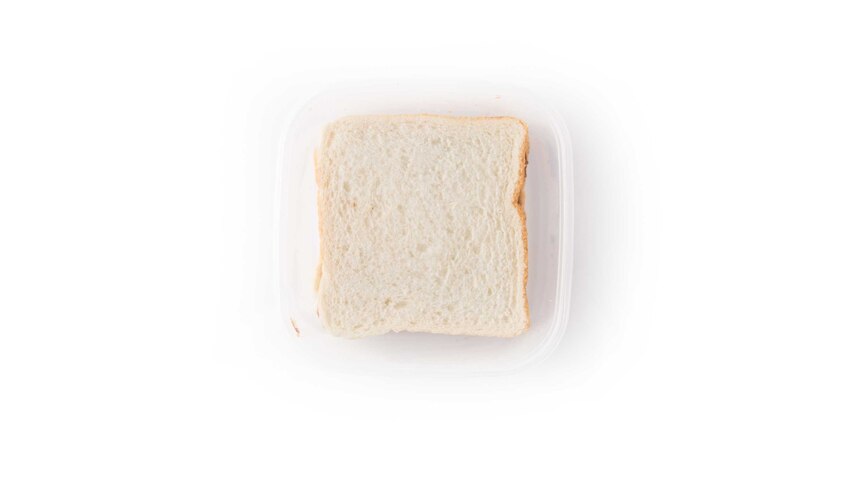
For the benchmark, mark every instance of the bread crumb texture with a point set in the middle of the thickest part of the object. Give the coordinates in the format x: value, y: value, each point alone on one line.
x: 422, y: 227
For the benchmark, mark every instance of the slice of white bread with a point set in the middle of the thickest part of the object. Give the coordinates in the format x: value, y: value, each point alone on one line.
x: 422, y: 225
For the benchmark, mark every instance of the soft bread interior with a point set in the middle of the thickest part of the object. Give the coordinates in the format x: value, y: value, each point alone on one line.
x: 422, y: 225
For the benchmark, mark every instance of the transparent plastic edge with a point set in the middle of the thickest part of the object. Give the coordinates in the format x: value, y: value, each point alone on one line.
x: 278, y: 274
x: 283, y: 245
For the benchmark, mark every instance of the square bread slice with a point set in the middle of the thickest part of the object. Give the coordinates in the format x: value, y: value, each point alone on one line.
x: 422, y: 225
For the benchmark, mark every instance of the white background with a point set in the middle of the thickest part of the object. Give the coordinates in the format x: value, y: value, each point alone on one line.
x: 717, y: 312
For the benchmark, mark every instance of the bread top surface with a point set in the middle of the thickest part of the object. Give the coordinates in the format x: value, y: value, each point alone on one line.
x: 422, y: 225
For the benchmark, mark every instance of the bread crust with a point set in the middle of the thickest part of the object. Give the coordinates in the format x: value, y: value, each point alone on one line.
x: 517, y: 197
x: 518, y: 201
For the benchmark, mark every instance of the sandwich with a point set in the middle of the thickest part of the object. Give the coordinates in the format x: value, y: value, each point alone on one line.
x: 422, y: 225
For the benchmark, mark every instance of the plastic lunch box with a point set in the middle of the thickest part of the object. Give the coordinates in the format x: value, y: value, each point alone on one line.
x: 548, y: 208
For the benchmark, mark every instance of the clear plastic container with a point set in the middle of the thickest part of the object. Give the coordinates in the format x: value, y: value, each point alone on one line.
x: 548, y: 208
